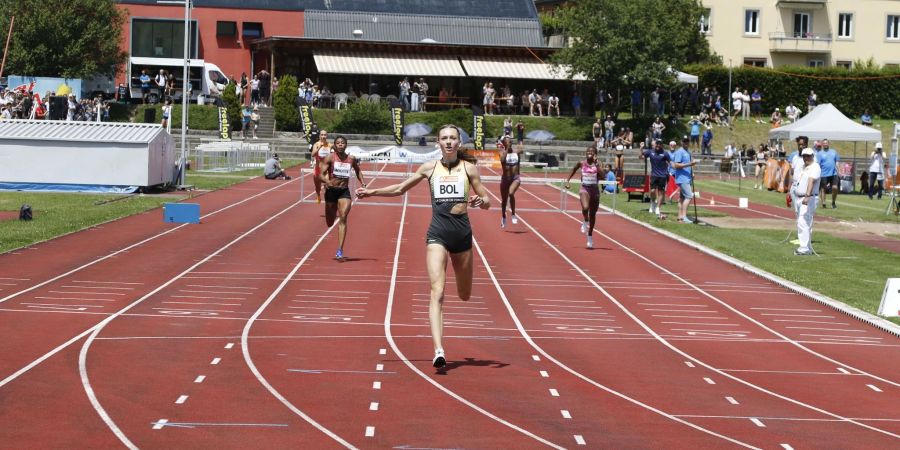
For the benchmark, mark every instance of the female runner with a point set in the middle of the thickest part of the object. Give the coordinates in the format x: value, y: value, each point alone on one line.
x: 450, y: 233
x: 509, y: 182
x: 590, y: 192
x: 335, y: 174
x: 320, y: 150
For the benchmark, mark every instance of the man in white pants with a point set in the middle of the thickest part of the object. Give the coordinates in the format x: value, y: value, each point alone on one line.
x: 805, y: 193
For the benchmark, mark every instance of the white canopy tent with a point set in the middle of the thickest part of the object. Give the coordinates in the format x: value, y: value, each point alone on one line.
x: 687, y: 78
x: 826, y: 122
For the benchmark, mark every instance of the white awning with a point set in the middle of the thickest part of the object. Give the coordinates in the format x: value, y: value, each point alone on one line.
x: 388, y: 64
x: 502, y: 67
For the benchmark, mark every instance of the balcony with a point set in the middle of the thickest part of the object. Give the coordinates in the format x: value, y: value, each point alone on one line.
x: 806, y: 4
x: 799, y: 43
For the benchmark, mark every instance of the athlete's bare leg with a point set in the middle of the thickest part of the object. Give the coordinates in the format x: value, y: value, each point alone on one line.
x: 436, y: 263
x: 343, y: 211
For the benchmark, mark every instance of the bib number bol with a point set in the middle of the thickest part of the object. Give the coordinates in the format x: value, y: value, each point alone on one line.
x: 449, y: 188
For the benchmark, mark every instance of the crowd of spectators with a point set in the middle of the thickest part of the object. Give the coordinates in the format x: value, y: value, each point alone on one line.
x: 25, y: 104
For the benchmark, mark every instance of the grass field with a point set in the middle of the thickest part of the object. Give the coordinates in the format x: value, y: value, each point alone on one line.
x: 845, y: 270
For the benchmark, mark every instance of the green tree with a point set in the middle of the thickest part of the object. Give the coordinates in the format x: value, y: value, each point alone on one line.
x: 633, y: 42
x: 287, y: 116
x: 63, y: 38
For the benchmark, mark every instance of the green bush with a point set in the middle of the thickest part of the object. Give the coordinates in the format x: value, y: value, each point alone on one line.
x: 365, y: 117
x: 233, y: 103
x: 851, y: 91
x: 287, y: 116
x: 201, y: 117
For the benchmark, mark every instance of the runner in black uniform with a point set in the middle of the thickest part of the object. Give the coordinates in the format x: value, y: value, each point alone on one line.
x: 510, y: 161
x: 335, y: 175
x: 450, y: 233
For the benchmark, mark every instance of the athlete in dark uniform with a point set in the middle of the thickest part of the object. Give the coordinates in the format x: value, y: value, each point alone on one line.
x: 510, y: 161
x: 450, y: 233
x: 335, y: 175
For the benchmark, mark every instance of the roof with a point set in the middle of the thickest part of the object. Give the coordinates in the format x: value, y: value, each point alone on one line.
x: 388, y: 64
x: 521, y: 9
x: 506, y: 67
x: 53, y: 130
x: 826, y: 122
x: 390, y: 27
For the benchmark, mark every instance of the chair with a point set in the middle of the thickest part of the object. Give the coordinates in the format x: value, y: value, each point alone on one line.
x: 374, y: 98
x: 340, y: 99
x: 364, y: 97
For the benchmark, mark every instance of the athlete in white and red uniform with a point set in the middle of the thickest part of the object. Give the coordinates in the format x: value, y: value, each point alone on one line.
x: 321, y: 149
x: 335, y: 174
x: 590, y: 191
x: 510, y: 160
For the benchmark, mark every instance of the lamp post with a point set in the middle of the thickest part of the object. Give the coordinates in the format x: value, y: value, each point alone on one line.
x: 185, y: 100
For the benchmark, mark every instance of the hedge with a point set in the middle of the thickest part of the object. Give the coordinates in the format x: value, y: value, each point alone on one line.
x: 851, y: 91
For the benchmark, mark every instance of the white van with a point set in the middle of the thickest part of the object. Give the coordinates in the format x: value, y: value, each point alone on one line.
x: 206, y: 78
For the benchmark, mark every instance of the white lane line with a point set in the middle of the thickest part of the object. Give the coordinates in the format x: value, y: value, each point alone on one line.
x: 204, y: 291
x: 68, y: 286
x: 689, y: 364
x: 57, y: 304
x: 446, y: 313
x: 757, y: 422
x: 379, y: 367
x: 376, y: 385
x: 843, y: 370
x: 544, y: 374
x: 536, y: 357
x: 673, y: 304
x: 215, y: 361
x: 564, y: 306
x: 200, y: 303
x: 88, y: 281
x: 709, y: 380
x: 207, y: 297
x: 327, y: 308
x: 221, y: 286
x: 580, y: 440
x: 229, y: 345
x: 731, y: 400
x: 826, y: 329
x: 559, y: 301
x: 787, y: 447
x: 787, y: 309
x: 565, y: 413
x: 336, y: 292
x: 874, y: 388
x: 319, y: 302
x: 330, y: 296
x: 812, y: 321
x: 370, y: 431
x: 194, y: 310
x: 573, y: 318
x: 710, y: 331
x: 382, y: 351
x: 691, y: 317
x: 706, y: 324
x: 373, y: 406
x: 389, y: 334
x: 199, y: 378
x: 181, y: 400
x: 789, y: 372
x: 554, y: 393
x: 90, y: 293
x: 693, y: 311
x: 873, y: 339
x: 800, y: 315
x: 159, y: 424
x: 79, y: 299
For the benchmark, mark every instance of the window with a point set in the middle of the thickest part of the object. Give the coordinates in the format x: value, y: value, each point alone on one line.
x: 226, y: 28
x: 159, y: 38
x: 844, y: 64
x: 845, y: 25
x: 816, y: 63
x: 751, y: 21
x: 755, y: 62
x: 893, y: 24
x: 253, y: 30
x: 706, y: 21
x: 802, y: 28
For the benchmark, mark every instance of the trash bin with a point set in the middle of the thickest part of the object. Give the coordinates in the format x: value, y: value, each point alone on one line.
x: 150, y: 115
x: 201, y: 99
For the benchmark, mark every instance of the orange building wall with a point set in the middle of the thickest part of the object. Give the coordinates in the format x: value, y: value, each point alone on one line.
x: 232, y: 57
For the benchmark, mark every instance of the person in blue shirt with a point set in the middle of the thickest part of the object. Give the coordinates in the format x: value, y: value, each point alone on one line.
x: 659, y: 175
x: 145, y: 85
x: 682, y: 161
x: 695, y: 131
x: 706, y: 147
x: 829, y: 182
x: 866, y: 118
x: 611, y: 177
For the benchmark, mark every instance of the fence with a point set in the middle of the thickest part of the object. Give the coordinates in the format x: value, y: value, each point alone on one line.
x: 229, y: 156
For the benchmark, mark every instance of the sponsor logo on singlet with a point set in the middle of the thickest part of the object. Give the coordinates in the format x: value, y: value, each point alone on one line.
x: 341, y: 169
x: 512, y: 159
x: 589, y: 178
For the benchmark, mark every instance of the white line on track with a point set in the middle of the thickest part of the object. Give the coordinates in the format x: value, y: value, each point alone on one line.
x: 370, y: 431
x: 732, y: 400
x: 204, y: 291
x: 373, y: 406
x: 811, y: 321
x: 68, y: 286
x: 90, y: 293
x: 673, y: 304
x: 376, y: 385
x: 113, y: 282
x: 80, y: 299
x: 217, y: 297
x: 197, y: 303
x: 565, y: 414
x: 215, y: 361
x: 181, y: 400
x: 691, y: 317
x: 706, y: 324
x: 229, y: 346
x: 709, y: 380
x: 335, y: 292
x: 327, y: 308
x: 319, y: 302
x: 874, y: 388
x: 132, y: 246
x: 787, y: 447
x: 57, y: 304
x: 559, y: 363
x: 221, y: 286
x: 579, y: 439
x: 724, y: 304
x: 757, y: 422
x: 402, y: 357
x: 330, y: 296
x: 199, y: 378
x: 544, y: 374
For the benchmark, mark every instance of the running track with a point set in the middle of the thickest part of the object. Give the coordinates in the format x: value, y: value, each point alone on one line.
x: 243, y: 332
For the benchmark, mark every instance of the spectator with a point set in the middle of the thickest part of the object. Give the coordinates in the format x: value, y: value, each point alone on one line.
x: 876, y: 172
x: 812, y: 100
x: 265, y: 86
x: 254, y: 90
x: 776, y: 118
x: 597, y: 132
x: 745, y: 105
x: 404, y: 93
x: 576, y: 104
x: 553, y: 104
x: 520, y: 134
x: 526, y: 102
x: 866, y: 118
x: 655, y: 102
x: 423, y: 94
x: 727, y: 162
x: 145, y: 85
x: 805, y: 200
x: 122, y: 93
x: 244, y: 84
x: 706, y: 145
x: 737, y: 103
x: 659, y: 175
x: 608, y: 126
x: 414, y: 96
x: 507, y: 127
x: 535, y: 101
x: 611, y: 187
x: 273, y: 169
x: 792, y: 112
x: 254, y: 121
x: 695, y: 124
x: 161, y: 80
x: 71, y: 108
x: 756, y: 104
x: 443, y: 95
x: 166, y: 113
x: 830, y: 182
x: 636, y: 102
x: 246, y: 112
x: 657, y: 128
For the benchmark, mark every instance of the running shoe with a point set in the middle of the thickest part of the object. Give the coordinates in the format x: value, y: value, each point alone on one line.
x: 339, y: 254
x: 834, y: 205
x: 583, y: 227
x: 503, y: 222
x: 515, y: 220
x: 799, y: 253
x: 590, y: 242
x: 318, y: 199
x: 439, y: 359
x: 687, y: 220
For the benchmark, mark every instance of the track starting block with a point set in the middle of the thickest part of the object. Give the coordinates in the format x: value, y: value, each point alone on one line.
x: 181, y: 212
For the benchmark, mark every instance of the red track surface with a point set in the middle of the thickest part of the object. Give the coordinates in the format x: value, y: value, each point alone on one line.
x: 242, y: 334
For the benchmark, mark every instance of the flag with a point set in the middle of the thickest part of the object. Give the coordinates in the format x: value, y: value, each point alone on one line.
x: 224, y: 125
x: 397, y: 121
x: 478, y: 127
x: 306, y: 119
